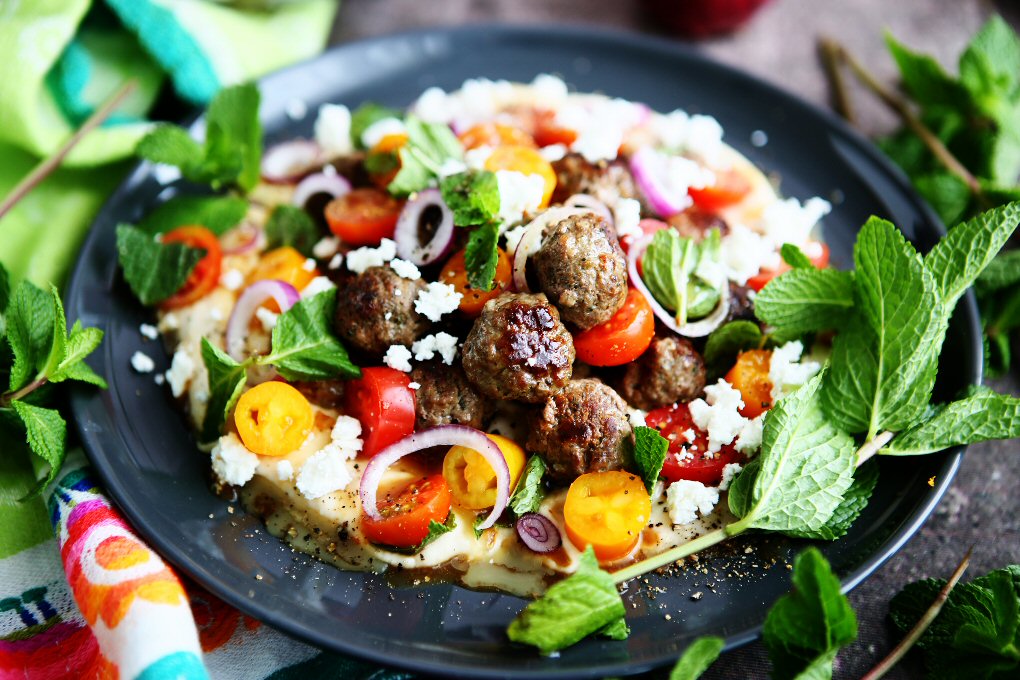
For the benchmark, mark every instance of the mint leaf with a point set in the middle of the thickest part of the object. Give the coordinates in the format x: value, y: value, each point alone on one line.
x: 473, y: 196
x: 172, y: 145
x: 947, y: 193
x: 30, y: 324
x: 5, y: 292
x: 804, y: 300
x: 233, y: 137
x: 726, y: 342
x: 218, y: 214
x: 303, y: 345
x: 289, y: 225
x: 435, y: 531
x: 849, y: 509
x: 806, y: 628
x: 795, y: 257
x: 481, y: 255
x: 72, y: 366
x: 529, y: 492
x: 670, y: 268
x: 154, y: 270
x: 650, y: 449
x: 428, y: 147
x: 924, y: 79
x: 46, y: 433
x: 579, y: 605
x: 58, y: 337
x: 697, y: 658
x: 1002, y: 272
x: 805, y: 467
x: 617, y: 630
x: 982, y: 416
x: 367, y: 115
x: 227, y: 379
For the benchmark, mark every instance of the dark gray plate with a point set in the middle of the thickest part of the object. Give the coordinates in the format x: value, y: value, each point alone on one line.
x: 147, y: 458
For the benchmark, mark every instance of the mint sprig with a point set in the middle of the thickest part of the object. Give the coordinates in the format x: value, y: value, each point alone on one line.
x: 473, y: 197
x: 218, y: 214
x: 528, y: 495
x: 154, y: 270
x: 650, y: 449
x: 696, y: 659
x: 428, y: 147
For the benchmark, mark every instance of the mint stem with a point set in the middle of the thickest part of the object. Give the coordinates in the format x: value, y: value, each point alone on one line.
x: 873, y: 446
x: 921, y: 626
x: 8, y: 397
x: 662, y: 559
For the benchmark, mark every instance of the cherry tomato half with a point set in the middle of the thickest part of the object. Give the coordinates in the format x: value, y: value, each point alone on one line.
x: 750, y: 377
x: 283, y: 264
x: 730, y: 187
x: 273, y: 418
x: 548, y: 132
x: 455, y: 273
x: 623, y: 338
x: 387, y: 150
x: 608, y: 511
x: 472, y: 480
x: 758, y: 281
x: 206, y: 274
x: 494, y: 134
x: 527, y: 161
x: 406, y: 517
x: 363, y: 217
x: 383, y: 403
x: 689, y: 459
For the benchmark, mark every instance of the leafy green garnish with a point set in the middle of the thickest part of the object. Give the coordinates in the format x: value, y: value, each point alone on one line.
x: 529, y: 492
x: 218, y: 214
x: 674, y: 269
x: 303, y: 344
x: 435, y: 531
x: 428, y: 147
x: 367, y: 115
x: 226, y: 382
x: 152, y: 269
x: 795, y: 257
x: 650, y: 449
x: 805, y: 300
x: 849, y: 509
x: 481, y: 256
x: 289, y: 225
x: 727, y: 341
x: 473, y: 196
x: 697, y: 658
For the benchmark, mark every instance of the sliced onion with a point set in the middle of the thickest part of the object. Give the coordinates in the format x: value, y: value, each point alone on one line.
x: 644, y: 165
x: 693, y: 329
x: 538, y: 532
x: 591, y: 203
x: 444, y: 435
x: 531, y: 241
x: 253, y: 238
x: 244, y: 309
x: 409, y: 246
x: 286, y: 162
x: 320, y: 183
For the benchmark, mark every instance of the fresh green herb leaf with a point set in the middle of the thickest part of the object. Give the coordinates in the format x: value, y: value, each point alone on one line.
x: 218, y: 214
x: 696, y: 659
x: 795, y: 257
x: 925, y: 79
x: 650, y: 449
x: 617, y: 630
x: 30, y: 325
x: 154, y: 270
x: 849, y: 509
x: 804, y: 300
x: 671, y: 268
x: 473, y: 196
x: 428, y: 147
x: 481, y: 255
x: 806, y: 628
x: 579, y: 605
x: 289, y: 225
x: 382, y: 162
x: 435, y: 531
x: 947, y: 193
x: 303, y: 345
x: 726, y: 342
x: 1002, y: 272
x: 72, y: 366
x: 5, y: 296
x: 226, y: 382
x: 172, y: 145
x: 46, y: 433
x: 367, y: 115
x: 529, y: 492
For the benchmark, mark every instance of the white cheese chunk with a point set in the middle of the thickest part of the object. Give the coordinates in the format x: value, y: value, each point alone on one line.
x: 441, y: 343
x: 182, y: 368
x: 380, y: 129
x: 326, y: 246
x: 266, y: 318
x: 437, y: 299
x: 519, y: 195
x: 686, y: 498
x: 284, y: 470
x: 323, y: 473
x: 142, y: 362
x: 718, y: 414
x: 405, y: 269
x: 787, y: 372
x: 232, y: 462
x: 398, y: 358
x: 787, y: 221
x: 319, y: 284
x: 627, y: 215
x: 333, y: 129
x: 729, y: 473
x: 149, y: 331
x: 749, y: 439
x: 361, y: 259
x: 232, y: 279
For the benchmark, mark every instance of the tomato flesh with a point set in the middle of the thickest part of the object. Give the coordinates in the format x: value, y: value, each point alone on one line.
x: 548, y: 132
x: 383, y: 403
x: 759, y: 280
x: 273, y: 418
x: 730, y: 187
x: 608, y: 511
x: 472, y: 480
x: 623, y: 338
x: 689, y: 459
x: 494, y: 134
x: 472, y: 299
x: 363, y: 217
x: 206, y: 274
x: 750, y: 377
x: 406, y: 517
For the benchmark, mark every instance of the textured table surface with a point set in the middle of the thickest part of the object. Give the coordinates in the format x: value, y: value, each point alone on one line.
x: 982, y: 508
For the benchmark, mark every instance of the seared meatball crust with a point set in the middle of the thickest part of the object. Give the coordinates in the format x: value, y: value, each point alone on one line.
x: 376, y: 310
x: 606, y: 181
x: 447, y: 398
x: 669, y: 371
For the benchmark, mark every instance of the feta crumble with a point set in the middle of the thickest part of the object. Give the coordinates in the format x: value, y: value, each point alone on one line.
x: 787, y: 372
x: 519, y: 194
x: 398, y: 357
x: 745, y: 252
x: 149, y: 331
x: 437, y: 299
x: 600, y: 126
x: 232, y: 279
x: 308, y: 265
x: 749, y: 439
x: 333, y: 129
x: 475, y: 158
x: 319, y: 284
x: 553, y: 152
x: 696, y: 135
x: 284, y: 470
x: 686, y: 498
x: 729, y: 473
x: 627, y: 215
x: 718, y: 414
x: 414, y: 385
x: 361, y: 259
x: 182, y: 367
x: 636, y: 416
x: 405, y: 269
x: 266, y: 318
x: 323, y: 473
x: 787, y: 221
x: 346, y: 436
x: 337, y: 260
x: 325, y: 246
x: 232, y: 462
x: 441, y: 343
x: 142, y: 362
x: 384, y: 127
x: 513, y: 237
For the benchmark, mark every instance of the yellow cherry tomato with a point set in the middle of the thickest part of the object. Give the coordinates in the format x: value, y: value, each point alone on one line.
x: 472, y: 480
x: 273, y: 419
x: 526, y: 161
x: 608, y: 511
x: 284, y: 264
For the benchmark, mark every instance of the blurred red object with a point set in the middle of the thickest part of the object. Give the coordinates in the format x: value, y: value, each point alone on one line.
x: 701, y: 18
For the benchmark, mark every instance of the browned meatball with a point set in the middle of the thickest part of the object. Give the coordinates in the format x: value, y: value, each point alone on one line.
x: 669, y: 371
x: 446, y: 397
x: 518, y: 349
x: 694, y: 223
x: 607, y: 182
x: 324, y: 393
x: 584, y: 428
x: 376, y: 310
x: 581, y: 267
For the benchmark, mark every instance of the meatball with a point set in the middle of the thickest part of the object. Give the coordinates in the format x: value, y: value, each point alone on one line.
x: 581, y: 267
x: 695, y: 224
x: 584, y: 428
x: 670, y: 370
x: 607, y: 182
x: 324, y: 393
x: 446, y: 397
x: 518, y: 349
x: 376, y: 310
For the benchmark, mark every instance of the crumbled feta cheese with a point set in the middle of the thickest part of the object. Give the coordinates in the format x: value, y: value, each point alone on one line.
x: 266, y: 318
x: 697, y: 135
x: 719, y: 415
x: 337, y: 260
x: 284, y: 470
x: 787, y: 221
x: 475, y: 158
x: 215, y: 314
x: 325, y: 246
x: 627, y: 215
x: 414, y: 385
x: 232, y: 462
x: 689, y: 435
x: 519, y: 194
x: 437, y: 299
x: 323, y: 473
x: 296, y: 109
x: 442, y: 343
x: 308, y: 265
x: 398, y: 357
x: 159, y: 378
x: 384, y: 127
x: 142, y: 362
x: 319, y: 284
x: 550, y: 89
x: 686, y: 498
x: 361, y: 259
x: 182, y: 367
x: 749, y: 440
x: 676, y: 174
x: 451, y: 166
x: 636, y: 416
x: 232, y: 279
x: 787, y: 372
x: 149, y: 331
x: 600, y: 126
x: 346, y: 436
x: 729, y: 473
x: 553, y: 152
x: 170, y: 322
x: 513, y: 237
x: 333, y: 129
x: 434, y: 106
x: 405, y: 269
x: 745, y: 252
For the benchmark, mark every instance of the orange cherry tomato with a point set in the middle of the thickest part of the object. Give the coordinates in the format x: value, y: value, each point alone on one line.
x: 388, y: 146
x: 363, y: 217
x: 608, y: 511
x: 750, y: 377
x: 472, y: 480
x: 206, y: 274
x: 273, y: 418
x: 455, y: 273
x: 759, y: 280
x: 383, y: 402
x: 623, y: 338
x: 495, y: 134
x: 730, y: 187
x: 527, y: 161
x: 689, y: 458
x: 283, y: 264
x: 548, y: 132
x: 406, y: 517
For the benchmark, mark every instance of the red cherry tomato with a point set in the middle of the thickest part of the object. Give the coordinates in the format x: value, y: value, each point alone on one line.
x: 758, y: 281
x: 363, y: 217
x: 623, y: 338
x: 750, y: 377
x: 648, y: 227
x: 206, y: 274
x: 730, y: 187
x: 689, y: 460
x: 406, y: 517
x: 383, y: 403
x: 548, y: 132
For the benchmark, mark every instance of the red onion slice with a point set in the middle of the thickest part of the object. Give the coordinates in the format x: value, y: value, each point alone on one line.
x: 252, y: 239
x: 591, y: 203
x: 286, y: 162
x: 648, y: 167
x: 538, y: 532
x: 320, y: 183
x: 444, y: 435
x: 691, y: 329
x: 531, y: 241
x: 409, y: 245
x: 244, y: 309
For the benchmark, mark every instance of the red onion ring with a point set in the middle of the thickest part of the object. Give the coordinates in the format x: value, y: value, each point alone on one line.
x: 531, y: 241
x: 320, y: 183
x: 286, y: 162
x: 255, y: 240
x: 591, y: 203
x: 643, y: 166
x: 249, y: 301
x: 444, y: 435
x: 409, y: 247
x: 538, y: 533
x: 695, y: 329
